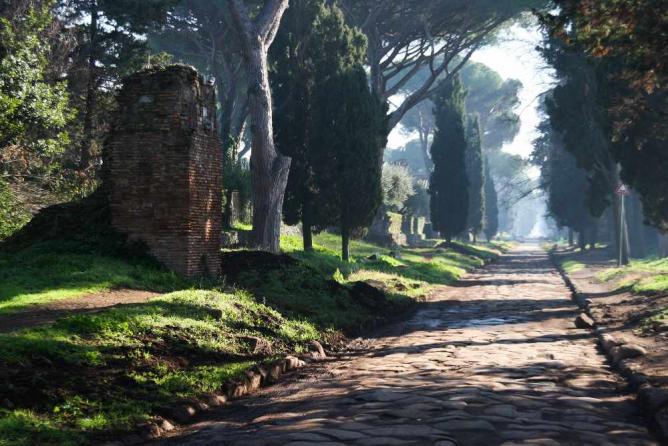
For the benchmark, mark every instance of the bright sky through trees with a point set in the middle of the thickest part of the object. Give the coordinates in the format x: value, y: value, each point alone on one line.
x: 513, y: 56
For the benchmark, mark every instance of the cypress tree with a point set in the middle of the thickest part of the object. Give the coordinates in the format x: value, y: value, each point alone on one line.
x: 491, y: 223
x: 448, y: 184
x: 352, y: 135
x: 312, y: 45
x: 476, y: 177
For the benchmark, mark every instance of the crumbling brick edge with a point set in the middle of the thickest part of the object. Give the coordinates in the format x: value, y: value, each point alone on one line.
x: 184, y: 413
x: 652, y: 400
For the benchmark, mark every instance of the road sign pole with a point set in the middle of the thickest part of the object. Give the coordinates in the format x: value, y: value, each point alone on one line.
x: 621, y: 231
x: 622, y: 191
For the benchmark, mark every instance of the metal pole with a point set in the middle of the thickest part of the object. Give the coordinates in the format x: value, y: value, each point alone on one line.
x: 621, y: 231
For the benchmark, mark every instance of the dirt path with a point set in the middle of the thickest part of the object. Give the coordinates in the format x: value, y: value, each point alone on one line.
x: 494, y: 361
x: 49, y: 313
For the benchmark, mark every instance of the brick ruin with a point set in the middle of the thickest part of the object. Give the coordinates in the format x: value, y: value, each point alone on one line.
x: 163, y: 169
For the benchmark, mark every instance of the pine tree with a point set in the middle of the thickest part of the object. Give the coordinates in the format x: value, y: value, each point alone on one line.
x: 352, y: 135
x: 108, y: 49
x: 491, y: 223
x: 313, y: 44
x: 448, y: 185
x: 476, y: 177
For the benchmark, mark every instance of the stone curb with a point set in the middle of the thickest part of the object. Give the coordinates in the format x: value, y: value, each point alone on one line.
x: 652, y: 400
x: 259, y: 376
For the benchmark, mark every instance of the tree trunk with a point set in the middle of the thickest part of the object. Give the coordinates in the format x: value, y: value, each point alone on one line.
x: 570, y: 237
x: 663, y: 245
x: 424, y: 146
x: 582, y: 242
x: 345, y: 244
x: 227, y: 211
x: 593, y: 235
x: 91, y: 91
x: 307, y: 230
x: 637, y: 230
x: 269, y: 169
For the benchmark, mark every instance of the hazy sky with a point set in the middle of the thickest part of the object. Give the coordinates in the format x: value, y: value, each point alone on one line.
x: 514, y: 56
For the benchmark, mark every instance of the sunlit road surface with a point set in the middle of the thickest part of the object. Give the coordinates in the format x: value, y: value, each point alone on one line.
x: 495, y: 360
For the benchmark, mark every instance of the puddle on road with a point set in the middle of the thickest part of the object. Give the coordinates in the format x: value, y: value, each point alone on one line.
x: 467, y: 319
x: 485, y: 322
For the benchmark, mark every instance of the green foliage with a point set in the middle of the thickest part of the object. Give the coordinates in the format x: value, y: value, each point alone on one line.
x: 33, y: 111
x: 397, y: 184
x: 12, y: 214
x: 410, y: 155
x: 575, y: 114
x: 494, y: 101
x: 489, y: 97
x: 109, y: 45
x: 475, y: 174
x: 352, y: 137
x: 418, y: 203
x: 448, y: 186
x: 565, y: 183
x: 313, y: 45
x: 491, y: 223
x: 624, y: 41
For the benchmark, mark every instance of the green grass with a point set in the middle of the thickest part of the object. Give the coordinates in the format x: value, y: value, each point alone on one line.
x: 412, y: 275
x: 648, y: 276
x: 572, y: 266
x: 52, y: 271
x: 77, y: 380
x: 108, y: 371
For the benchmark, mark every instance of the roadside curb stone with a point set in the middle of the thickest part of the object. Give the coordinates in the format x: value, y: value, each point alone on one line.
x: 252, y: 380
x: 654, y: 401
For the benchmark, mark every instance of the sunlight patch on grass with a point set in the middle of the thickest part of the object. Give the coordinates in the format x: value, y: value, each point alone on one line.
x: 649, y: 276
x: 42, y: 274
x: 180, y: 345
x: 572, y: 266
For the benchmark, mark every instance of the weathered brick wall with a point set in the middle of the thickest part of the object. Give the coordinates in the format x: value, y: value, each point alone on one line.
x: 163, y: 167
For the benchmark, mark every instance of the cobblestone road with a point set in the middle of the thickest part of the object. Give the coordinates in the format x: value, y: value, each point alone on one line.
x: 495, y: 360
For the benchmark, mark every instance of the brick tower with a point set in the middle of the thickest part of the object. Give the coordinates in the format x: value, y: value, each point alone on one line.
x: 163, y: 169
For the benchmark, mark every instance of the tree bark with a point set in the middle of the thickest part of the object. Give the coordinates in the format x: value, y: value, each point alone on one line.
x: 91, y: 91
x: 269, y: 169
x: 345, y: 244
x: 663, y: 245
x: 637, y: 230
x: 307, y: 230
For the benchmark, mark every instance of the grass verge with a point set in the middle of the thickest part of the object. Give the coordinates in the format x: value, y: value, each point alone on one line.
x: 648, y: 276
x: 53, y: 271
x: 88, y: 376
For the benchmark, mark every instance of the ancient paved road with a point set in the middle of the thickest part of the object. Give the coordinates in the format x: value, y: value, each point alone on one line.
x: 493, y: 361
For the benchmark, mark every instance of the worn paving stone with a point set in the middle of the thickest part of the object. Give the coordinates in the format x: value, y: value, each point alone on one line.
x: 494, y: 361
